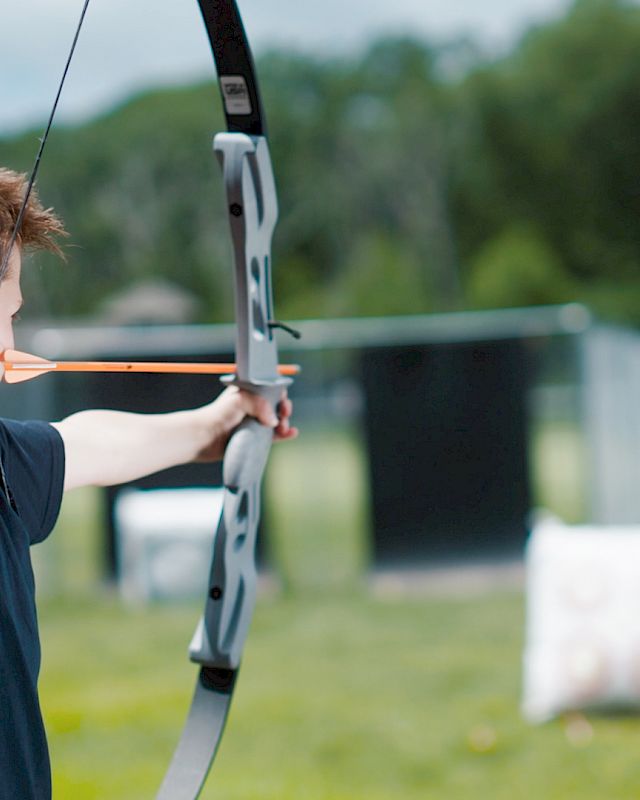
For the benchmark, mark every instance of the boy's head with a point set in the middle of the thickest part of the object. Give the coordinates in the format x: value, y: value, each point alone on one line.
x: 39, y: 227
x: 38, y: 231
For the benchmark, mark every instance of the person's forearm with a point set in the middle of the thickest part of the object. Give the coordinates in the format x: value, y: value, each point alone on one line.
x: 104, y: 448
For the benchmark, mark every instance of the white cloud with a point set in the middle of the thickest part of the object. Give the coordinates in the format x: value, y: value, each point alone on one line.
x: 127, y: 45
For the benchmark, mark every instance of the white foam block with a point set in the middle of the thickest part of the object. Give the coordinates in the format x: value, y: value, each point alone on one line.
x: 164, y: 541
x: 582, y: 645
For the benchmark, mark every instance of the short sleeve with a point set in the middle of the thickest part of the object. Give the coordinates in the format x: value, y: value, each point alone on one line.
x: 33, y: 458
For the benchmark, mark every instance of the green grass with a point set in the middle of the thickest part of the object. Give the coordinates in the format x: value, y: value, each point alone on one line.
x: 318, y: 519
x: 343, y: 695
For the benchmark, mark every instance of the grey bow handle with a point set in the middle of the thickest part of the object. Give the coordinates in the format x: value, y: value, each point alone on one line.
x: 221, y: 633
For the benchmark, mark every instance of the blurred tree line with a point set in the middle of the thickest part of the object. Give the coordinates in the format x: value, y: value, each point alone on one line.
x: 412, y: 178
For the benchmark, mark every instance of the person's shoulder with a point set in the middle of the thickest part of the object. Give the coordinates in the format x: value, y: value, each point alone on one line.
x: 32, y: 459
x: 27, y: 433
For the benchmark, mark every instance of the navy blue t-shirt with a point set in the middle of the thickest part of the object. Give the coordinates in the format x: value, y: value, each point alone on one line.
x: 32, y: 455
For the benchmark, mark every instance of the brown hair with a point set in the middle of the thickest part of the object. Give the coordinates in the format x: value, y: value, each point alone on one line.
x: 40, y: 226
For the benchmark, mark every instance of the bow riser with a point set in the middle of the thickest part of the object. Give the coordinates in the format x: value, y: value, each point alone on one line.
x: 253, y: 213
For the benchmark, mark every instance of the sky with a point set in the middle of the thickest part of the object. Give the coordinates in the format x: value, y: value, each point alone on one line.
x: 128, y: 45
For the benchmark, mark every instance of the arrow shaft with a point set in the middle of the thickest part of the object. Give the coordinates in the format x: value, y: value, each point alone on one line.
x: 193, y: 368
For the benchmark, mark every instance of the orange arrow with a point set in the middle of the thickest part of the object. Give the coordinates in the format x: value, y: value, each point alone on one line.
x: 20, y: 367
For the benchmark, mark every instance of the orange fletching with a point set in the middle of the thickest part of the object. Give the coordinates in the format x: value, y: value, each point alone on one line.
x: 18, y: 357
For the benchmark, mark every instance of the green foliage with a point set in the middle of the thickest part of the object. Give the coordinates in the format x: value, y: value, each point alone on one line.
x: 378, y: 261
x: 517, y: 268
x: 550, y: 141
x: 406, y: 184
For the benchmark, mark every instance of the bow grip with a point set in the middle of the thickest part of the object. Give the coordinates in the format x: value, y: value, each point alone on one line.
x: 246, y: 454
x: 221, y: 633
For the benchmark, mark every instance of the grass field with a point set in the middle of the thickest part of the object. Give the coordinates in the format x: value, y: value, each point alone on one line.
x: 343, y: 695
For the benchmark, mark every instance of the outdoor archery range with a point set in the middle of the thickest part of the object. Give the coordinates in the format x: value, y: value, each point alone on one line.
x: 409, y: 240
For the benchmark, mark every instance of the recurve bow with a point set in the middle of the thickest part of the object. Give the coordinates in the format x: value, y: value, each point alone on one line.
x: 252, y: 207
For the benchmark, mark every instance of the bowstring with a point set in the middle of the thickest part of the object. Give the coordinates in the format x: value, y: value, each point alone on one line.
x: 43, y: 140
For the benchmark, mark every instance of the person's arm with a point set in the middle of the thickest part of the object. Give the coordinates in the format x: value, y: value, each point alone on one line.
x: 104, y: 448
